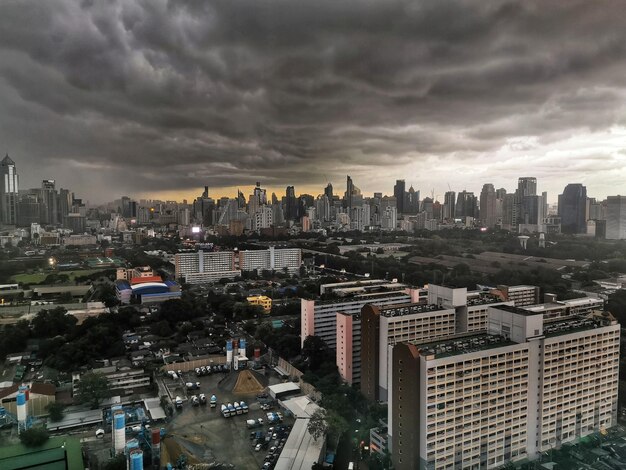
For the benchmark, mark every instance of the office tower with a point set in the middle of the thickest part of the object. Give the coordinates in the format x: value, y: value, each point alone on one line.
x: 488, y: 205
x: 8, y: 192
x: 28, y: 210
x: 523, y: 387
x: 274, y: 198
x: 449, y: 205
x: 328, y: 191
x: 352, y: 193
x: 203, y: 208
x: 544, y: 206
x: 389, y: 218
x: 49, y: 198
x: 65, y: 203
x: 399, y: 191
x: 616, y: 218
x: 466, y: 205
x: 412, y: 203
x: 260, y: 194
x: 290, y: 204
x: 322, y: 208
x: 527, y: 186
x: 360, y: 217
x: 573, y: 208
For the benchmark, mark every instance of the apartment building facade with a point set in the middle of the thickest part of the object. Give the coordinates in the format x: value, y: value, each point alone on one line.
x: 481, y: 400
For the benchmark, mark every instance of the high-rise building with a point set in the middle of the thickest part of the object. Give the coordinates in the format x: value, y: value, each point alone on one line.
x: 573, y: 209
x: 8, y: 191
x: 466, y: 205
x: 449, y: 204
x: 523, y: 387
x: 412, y: 203
x: 49, y: 198
x: 347, y: 199
x: 399, y: 191
x: 290, y: 204
x: 488, y: 205
x: 328, y: 191
x: 527, y: 186
x: 616, y: 218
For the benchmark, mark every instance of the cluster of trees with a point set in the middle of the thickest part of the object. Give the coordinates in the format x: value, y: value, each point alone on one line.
x: 65, y: 344
x: 342, y: 403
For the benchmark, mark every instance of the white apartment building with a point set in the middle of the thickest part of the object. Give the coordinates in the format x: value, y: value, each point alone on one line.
x: 319, y: 317
x: 272, y: 259
x: 521, y: 295
x: 484, y: 399
x: 205, y: 266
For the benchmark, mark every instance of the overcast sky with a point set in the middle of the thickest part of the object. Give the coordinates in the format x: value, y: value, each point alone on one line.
x: 160, y: 98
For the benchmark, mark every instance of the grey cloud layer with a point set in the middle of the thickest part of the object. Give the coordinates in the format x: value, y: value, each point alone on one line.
x: 151, y: 95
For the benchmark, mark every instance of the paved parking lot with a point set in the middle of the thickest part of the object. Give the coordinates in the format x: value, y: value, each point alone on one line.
x: 202, y: 431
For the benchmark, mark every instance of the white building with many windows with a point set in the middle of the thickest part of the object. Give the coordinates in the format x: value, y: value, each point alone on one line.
x: 525, y: 386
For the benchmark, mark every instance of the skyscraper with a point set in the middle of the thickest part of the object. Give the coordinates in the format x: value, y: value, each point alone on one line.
x: 527, y: 186
x: 8, y: 191
x: 616, y: 218
x: 573, y: 208
x: 349, y: 192
x: 49, y: 197
x: 465, y: 205
x: 328, y: 191
x: 488, y: 205
x: 291, y: 204
x: 449, y: 205
x: 399, y: 191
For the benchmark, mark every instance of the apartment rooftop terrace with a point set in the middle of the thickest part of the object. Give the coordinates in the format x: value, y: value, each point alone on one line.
x: 462, y: 344
x: 408, y: 309
x: 578, y: 323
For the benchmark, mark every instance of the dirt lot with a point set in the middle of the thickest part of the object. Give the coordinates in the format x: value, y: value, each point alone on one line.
x: 202, y: 433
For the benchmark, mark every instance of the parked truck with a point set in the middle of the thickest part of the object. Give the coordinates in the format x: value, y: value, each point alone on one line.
x: 178, y: 402
x: 225, y: 411
x: 213, y: 401
x: 244, y: 407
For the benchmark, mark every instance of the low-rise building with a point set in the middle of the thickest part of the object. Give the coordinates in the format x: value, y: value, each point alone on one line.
x: 261, y: 300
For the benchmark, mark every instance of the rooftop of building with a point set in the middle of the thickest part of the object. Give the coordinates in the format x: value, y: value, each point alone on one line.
x: 482, y: 298
x: 517, y: 310
x: 61, y: 452
x: 462, y: 344
x: 370, y: 297
x: 578, y: 323
x: 520, y: 287
x: 408, y: 309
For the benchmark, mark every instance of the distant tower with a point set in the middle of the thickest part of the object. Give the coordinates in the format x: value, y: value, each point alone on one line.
x: 523, y: 241
x: 8, y: 192
x: 542, y: 240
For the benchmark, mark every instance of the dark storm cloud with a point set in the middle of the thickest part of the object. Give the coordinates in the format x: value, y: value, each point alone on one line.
x: 140, y: 96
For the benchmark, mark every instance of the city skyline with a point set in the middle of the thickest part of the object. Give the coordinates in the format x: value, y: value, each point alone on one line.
x: 157, y: 100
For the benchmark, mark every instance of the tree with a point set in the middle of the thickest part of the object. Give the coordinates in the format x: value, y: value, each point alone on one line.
x: 55, y: 411
x: 34, y: 437
x: 93, y: 388
x: 317, y: 426
x: 327, y: 422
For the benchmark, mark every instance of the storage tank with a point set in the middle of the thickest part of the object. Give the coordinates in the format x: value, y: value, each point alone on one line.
x: 21, y: 409
x: 156, y: 445
x: 136, y: 459
x: 242, y: 347
x: 229, y: 352
x: 119, y: 431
